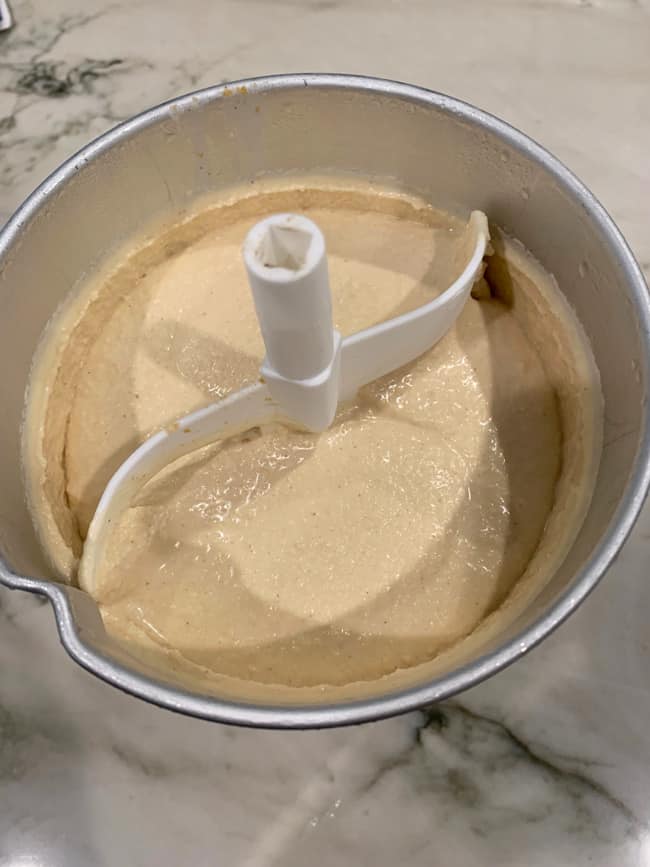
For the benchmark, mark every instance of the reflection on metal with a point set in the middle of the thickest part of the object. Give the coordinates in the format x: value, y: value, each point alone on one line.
x: 5, y: 16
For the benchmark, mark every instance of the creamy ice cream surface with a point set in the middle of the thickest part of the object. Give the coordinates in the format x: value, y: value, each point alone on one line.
x: 439, y: 500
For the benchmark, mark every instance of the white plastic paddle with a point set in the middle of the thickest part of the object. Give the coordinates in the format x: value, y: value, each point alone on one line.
x: 308, y: 369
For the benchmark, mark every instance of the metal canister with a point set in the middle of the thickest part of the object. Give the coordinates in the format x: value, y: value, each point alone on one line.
x: 452, y: 154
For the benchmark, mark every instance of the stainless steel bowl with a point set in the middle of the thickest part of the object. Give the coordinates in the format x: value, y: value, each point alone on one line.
x: 162, y: 161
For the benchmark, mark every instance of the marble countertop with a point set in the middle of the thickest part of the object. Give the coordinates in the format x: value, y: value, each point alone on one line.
x: 546, y: 764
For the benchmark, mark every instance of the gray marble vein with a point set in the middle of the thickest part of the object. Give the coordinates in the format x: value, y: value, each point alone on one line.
x: 547, y: 763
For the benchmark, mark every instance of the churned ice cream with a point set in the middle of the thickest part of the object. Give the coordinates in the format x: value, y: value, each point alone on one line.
x: 291, y: 558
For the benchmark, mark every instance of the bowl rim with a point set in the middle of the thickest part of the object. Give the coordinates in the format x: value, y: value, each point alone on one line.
x: 300, y: 716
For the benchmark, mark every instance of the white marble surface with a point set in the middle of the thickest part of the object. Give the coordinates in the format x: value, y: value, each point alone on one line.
x: 546, y: 764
